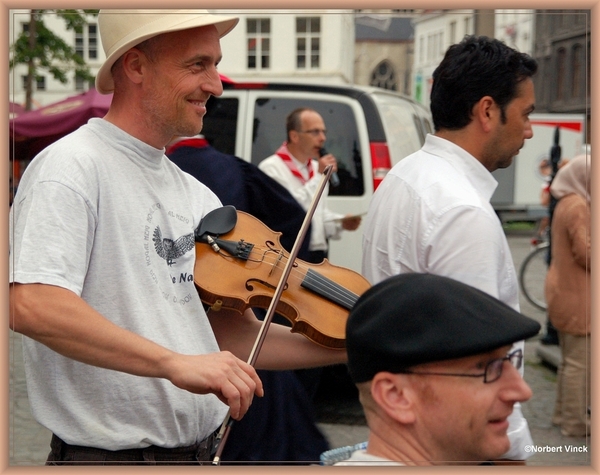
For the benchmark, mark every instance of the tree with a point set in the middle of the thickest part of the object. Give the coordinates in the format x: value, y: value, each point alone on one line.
x: 41, y: 49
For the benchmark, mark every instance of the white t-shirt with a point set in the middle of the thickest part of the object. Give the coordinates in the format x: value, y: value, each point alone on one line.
x: 112, y: 219
x: 432, y: 214
x: 325, y: 223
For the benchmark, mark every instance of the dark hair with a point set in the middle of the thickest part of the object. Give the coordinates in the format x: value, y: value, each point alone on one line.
x: 478, y: 66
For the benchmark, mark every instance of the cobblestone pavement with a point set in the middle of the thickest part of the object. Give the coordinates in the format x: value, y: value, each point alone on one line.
x: 341, y: 420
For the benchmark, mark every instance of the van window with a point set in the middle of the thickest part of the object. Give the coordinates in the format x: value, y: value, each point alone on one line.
x: 220, y: 123
x: 342, y: 136
x: 403, y: 128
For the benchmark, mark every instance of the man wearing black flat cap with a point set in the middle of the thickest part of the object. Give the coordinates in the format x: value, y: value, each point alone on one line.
x: 433, y: 364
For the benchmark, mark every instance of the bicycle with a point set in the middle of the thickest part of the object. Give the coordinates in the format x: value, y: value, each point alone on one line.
x: 532, y: 274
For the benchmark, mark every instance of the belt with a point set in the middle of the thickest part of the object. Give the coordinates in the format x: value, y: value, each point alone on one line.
x: 63, y: 453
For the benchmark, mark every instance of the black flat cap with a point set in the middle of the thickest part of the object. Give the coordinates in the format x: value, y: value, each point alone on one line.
x: 412, y: 319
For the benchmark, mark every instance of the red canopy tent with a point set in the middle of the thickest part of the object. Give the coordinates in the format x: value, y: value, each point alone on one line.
x: 15, y: 109
x: 32, y: 131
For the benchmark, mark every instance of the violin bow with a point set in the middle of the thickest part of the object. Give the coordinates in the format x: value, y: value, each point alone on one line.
x: 262, y: 333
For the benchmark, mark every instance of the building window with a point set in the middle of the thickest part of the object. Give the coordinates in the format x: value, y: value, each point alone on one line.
x: 561, y: 55
x: 383, y: 76
x: 40, y: 83
x: 79, y: 83
x: 79, y: 44
x: 588, y: 70
x: 429, y: 48
x: 92, y: 41
x: 546, y: 89
x: 308, y: 42
x: 467, y: 25
x: 86, y: 42
x: 259, y: 43
x: 435, y: 46
x: 576, y: 72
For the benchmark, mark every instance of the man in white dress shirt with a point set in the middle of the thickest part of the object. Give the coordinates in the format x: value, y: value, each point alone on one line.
x: 432, y: 212
x: 296, y: 167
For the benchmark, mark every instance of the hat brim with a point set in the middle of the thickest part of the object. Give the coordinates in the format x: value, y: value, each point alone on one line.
x: 412, y: 319
x: 169, y: 23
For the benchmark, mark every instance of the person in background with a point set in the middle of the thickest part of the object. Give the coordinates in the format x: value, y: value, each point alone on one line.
x: 123, y: 364
x: 543, y: 231
x: 281, y: 426
x: 298, y: 165
x: 432, y: 212
x: 568, y: 294
x: 436, y: 372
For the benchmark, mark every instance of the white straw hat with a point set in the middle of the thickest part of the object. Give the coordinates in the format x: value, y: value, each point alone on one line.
x: 121, y: 30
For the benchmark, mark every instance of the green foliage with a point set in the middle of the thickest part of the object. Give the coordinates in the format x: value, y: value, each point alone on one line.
x: 48, y: 51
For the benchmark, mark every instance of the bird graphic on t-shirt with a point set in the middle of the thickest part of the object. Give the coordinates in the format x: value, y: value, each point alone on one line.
x: 170, y: 249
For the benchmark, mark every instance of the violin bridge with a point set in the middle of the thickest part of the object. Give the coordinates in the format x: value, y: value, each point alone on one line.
x: 279, y: 257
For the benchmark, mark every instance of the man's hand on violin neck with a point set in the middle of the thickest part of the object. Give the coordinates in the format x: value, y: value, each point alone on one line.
x: 232, y: 380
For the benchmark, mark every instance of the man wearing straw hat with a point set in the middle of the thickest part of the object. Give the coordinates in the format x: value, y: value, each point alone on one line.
x: 123, y: 364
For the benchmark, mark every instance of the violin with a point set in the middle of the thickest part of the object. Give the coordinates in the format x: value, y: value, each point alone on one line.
x: 248, y: 260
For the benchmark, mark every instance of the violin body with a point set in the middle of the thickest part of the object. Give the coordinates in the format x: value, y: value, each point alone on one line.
x: 246, y: 270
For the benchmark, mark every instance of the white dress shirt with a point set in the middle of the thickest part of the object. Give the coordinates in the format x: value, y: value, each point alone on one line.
x: 432, y: 214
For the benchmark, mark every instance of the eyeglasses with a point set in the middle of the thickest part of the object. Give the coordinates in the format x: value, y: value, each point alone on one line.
x: 493, y: 369
x: 313, y: 132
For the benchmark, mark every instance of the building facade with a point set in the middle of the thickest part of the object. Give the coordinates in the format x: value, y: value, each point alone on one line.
x: 515, y: 28
x: 281, y: 45
x: 562, y: 49
x: 434, y: 32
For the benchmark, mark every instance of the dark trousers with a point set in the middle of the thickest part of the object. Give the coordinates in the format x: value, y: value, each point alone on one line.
x: 64, y: 454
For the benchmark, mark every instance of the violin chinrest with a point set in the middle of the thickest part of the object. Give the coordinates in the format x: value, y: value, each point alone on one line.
x: 216, y: 223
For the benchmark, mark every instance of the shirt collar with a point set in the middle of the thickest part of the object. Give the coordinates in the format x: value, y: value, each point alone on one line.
x: 473, y: 170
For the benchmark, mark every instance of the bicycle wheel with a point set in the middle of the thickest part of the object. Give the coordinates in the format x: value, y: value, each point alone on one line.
x: 532, y: 276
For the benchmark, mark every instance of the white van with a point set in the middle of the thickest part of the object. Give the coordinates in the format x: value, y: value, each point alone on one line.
x: 368, y: 131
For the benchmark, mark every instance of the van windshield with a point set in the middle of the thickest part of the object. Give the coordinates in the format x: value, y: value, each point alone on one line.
x: 342, y: 136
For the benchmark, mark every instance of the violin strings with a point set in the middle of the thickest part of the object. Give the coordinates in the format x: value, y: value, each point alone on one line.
x: 329, y: 288
x: 334, y: 290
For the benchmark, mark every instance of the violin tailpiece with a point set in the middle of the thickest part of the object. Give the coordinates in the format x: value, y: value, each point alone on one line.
x: 238, y: 249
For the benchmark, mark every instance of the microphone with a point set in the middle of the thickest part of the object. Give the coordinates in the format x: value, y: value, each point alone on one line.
x: 333, y: 179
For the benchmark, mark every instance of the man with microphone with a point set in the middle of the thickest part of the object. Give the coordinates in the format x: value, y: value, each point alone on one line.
x: 297, y: 165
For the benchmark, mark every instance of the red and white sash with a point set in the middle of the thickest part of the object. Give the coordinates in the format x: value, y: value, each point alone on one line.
x: 284, y: 154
